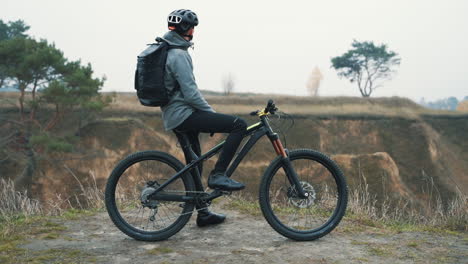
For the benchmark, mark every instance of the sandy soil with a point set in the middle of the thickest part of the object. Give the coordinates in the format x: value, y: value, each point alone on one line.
x: 249, y: 239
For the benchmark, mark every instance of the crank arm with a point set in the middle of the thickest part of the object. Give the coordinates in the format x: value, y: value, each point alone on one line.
x: 215, y: 194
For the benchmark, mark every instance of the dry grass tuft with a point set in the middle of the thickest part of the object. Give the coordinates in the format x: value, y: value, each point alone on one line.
x: 14, y: 202
x: 91, y: 196
x: 453, y: 216
x: 362, y: 207
x: 302, y: 105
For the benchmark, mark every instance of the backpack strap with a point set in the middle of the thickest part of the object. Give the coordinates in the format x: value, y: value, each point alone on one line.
x: 159, y: 40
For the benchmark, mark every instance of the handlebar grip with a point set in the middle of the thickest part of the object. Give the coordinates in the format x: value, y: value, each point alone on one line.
x: 270, y: 108
x: 270, y: 103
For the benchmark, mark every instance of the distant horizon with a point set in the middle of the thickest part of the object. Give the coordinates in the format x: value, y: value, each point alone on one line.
x: 8, y: 89
x: 272, y: 48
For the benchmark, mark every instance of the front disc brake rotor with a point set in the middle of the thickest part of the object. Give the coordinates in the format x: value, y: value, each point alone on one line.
x: 299, y: 202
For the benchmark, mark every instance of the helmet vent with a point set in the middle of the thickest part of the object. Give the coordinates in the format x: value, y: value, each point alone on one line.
x: 174, y: 19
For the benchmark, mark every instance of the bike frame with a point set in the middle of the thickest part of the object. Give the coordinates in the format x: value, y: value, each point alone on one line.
x: 255, y: 131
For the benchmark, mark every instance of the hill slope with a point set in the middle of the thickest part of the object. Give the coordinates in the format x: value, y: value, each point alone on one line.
x: 401, y: 150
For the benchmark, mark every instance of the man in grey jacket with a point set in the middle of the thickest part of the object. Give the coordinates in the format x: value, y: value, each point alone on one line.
x: 189, y: 113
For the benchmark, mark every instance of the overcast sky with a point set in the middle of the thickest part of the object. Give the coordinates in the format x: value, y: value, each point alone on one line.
x: 268, y: 46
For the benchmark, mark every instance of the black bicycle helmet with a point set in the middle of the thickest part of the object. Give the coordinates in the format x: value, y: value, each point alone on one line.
x: 182, y: 20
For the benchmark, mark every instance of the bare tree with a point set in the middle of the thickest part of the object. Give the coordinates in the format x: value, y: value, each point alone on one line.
x: 228, y: 84
x: 313, y: 84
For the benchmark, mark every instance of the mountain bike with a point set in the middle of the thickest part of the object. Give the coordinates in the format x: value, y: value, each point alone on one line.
x: 151, y: 195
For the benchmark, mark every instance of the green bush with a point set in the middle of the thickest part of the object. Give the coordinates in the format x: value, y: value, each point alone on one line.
x: 59, y: 146
x: 39, y: 140
x: 50, y: 143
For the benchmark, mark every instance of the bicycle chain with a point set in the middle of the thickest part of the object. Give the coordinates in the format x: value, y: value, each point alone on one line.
x: 200, y: 192
x: 171, y: 191
x: 208, y: 203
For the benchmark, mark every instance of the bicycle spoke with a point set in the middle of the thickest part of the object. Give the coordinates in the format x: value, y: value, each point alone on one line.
x: 303, y: 214
x: 132, y: 191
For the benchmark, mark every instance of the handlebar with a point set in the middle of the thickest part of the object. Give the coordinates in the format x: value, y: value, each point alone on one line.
x: 269, y: 109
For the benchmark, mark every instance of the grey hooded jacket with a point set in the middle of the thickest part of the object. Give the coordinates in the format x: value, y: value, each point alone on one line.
x: 180, y: 82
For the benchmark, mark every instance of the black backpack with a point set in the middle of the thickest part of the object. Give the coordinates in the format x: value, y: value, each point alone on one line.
x: 149, y: 74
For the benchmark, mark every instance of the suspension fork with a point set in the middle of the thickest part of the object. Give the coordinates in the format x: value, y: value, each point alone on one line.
x: 287, y: 165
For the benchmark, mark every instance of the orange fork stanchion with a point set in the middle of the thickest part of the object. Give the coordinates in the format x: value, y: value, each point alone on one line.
x: 278, y: 147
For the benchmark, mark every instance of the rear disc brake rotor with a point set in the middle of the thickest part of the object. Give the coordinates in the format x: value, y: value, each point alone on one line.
x: 145, y: 201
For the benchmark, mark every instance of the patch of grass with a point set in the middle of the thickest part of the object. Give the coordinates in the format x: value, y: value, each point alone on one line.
x: 17, y: 229
x: 399, y: 227
x: 159, y: 251
x: 247, y: 251
x: 59, y: 255
x: 350, y: 228
x: 236, y: 251
x: 353, y: 223
x: 363, y: 220
x: 68, y: 238
x: 16, y: 226
x: 10, y: 252
x: 52, y: 235
x: 444, y: 259
x: 197, y: 261
x: 75, y: 214
x: 380, y: 250
x: 11, y: 247
x: 44, y: 228
x: 364, y: 223
x: 244, y: 206
x: 412, y: 244
x: 410, y: 255
x: 94, y: 235
x: 355, y: 242
x: 361, y: 259
x: 375, y: 249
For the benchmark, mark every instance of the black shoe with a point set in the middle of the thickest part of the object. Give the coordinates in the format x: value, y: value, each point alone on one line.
x: 219, y: 180
x: 205, y: 218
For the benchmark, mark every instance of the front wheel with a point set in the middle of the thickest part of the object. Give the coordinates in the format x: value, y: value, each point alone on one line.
x: 310, y: 218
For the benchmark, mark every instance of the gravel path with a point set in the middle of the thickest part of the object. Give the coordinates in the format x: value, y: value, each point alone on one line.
x: 247, y: 239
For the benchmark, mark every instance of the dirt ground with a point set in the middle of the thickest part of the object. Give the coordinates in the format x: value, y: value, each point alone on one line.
x: 242, y: 239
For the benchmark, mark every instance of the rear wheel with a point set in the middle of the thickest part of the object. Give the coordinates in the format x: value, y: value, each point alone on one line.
x: 310, y: 218
x: 127, y: 196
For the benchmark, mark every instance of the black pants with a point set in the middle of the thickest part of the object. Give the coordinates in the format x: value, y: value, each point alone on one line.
x: 209, y: 122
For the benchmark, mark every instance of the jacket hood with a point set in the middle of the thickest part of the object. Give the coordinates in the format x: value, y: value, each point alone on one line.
x: 174, y: 39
